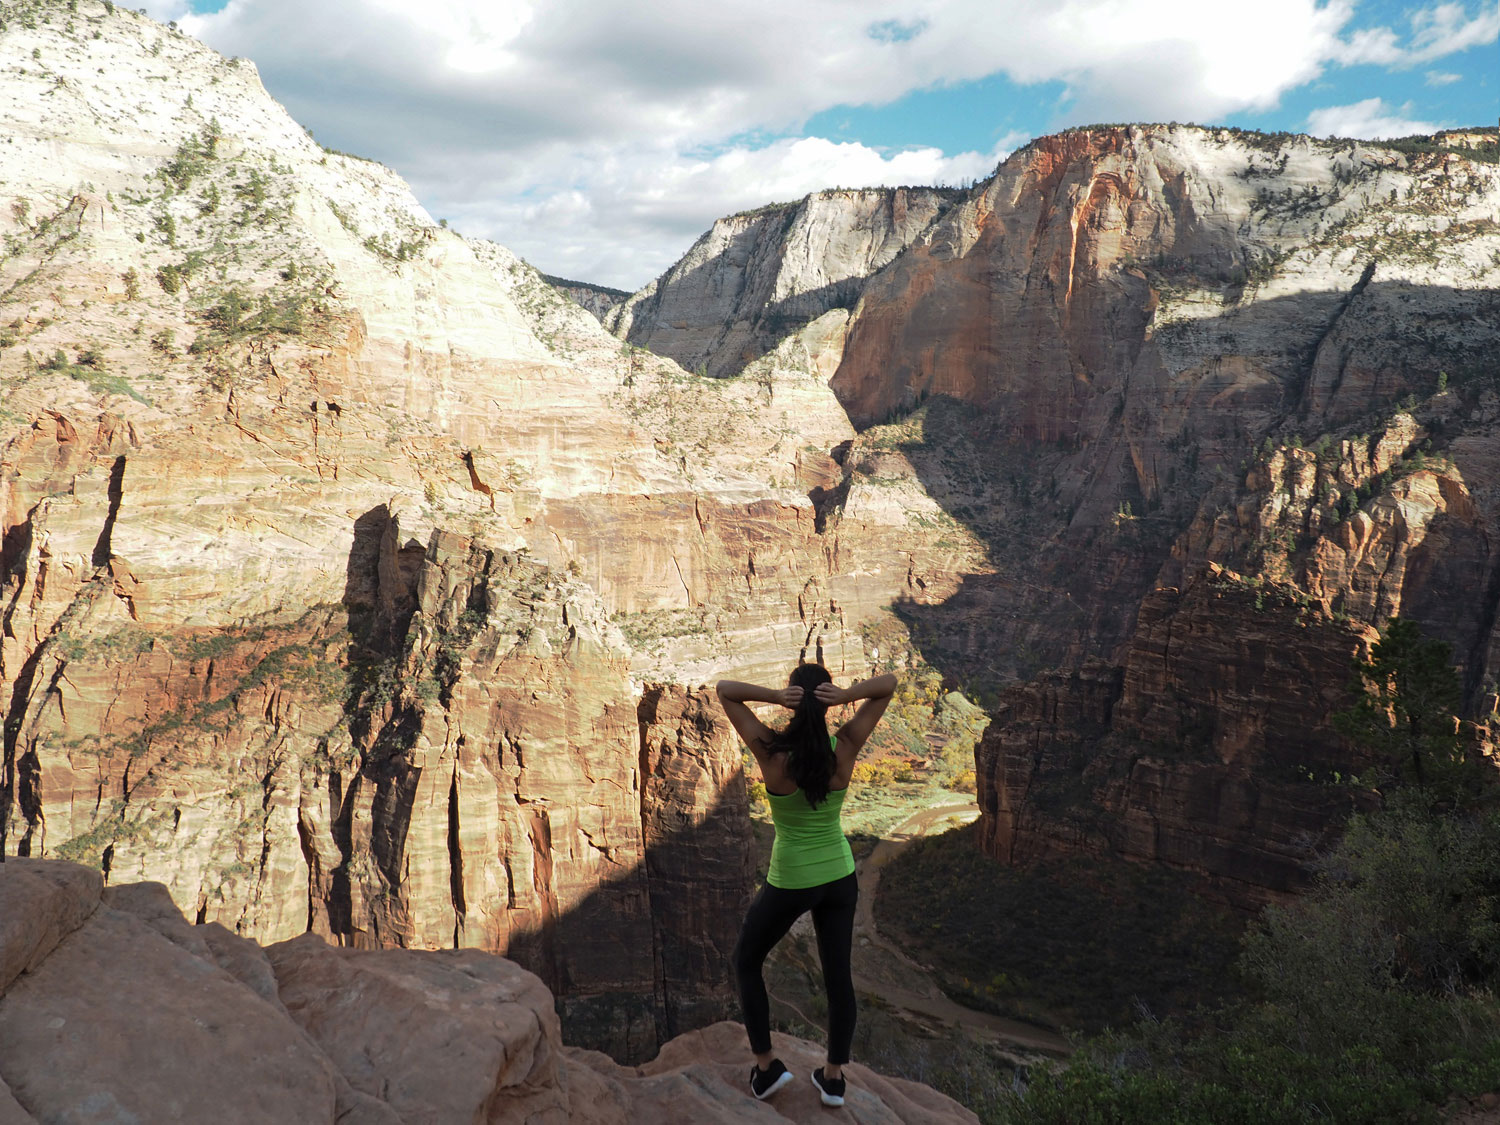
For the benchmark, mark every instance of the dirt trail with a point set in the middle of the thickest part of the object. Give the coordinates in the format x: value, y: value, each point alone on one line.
x: 884, y: 970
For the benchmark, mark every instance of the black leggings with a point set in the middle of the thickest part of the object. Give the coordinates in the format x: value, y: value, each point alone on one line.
x: 770, y: 916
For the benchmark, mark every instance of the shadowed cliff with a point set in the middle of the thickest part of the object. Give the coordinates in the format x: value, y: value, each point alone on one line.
x: 1207, y: 408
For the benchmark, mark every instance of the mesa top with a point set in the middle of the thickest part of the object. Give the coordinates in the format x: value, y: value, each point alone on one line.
x: 810, y: 848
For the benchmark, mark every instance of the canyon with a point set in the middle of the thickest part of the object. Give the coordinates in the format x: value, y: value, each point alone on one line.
x: 355, y: 581
x: 1217, y: 406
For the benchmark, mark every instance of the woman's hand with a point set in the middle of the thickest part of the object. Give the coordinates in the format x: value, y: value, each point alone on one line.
x: 830, y: 695
x: 789, y: 697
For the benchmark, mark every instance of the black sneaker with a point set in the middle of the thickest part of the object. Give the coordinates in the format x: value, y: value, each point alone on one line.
x: 831, y: 1089
x: 764, y: 1083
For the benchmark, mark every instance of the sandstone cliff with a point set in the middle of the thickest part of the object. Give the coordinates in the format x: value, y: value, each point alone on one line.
x: 1211, y: 750
x: 206, y: 1025
x: 755, y: 278
x: 354, y: 580
x: 1154, y: 358
x: 1134, y: 311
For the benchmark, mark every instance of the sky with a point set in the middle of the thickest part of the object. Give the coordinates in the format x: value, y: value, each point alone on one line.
x: 599, y: 138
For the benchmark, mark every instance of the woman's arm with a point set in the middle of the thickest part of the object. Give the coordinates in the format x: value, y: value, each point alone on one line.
x: 733, y: 695
x: 876, y: 693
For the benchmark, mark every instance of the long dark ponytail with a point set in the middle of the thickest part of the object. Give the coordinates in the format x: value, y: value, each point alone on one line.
x: 809, y: 756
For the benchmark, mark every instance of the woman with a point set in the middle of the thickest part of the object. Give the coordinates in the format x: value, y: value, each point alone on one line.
x: 806, y: 772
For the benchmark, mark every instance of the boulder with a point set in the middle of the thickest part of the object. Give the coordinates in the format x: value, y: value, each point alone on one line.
x: 118, y: 1023
x: 124, y: 1011
x: 40, y: 904
x: 448, y: 1035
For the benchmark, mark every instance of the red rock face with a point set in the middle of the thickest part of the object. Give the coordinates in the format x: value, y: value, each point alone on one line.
x: 451, y: 758
x: 1016, y: 300
x: 508, y: 798
x: 1211, y: 751
x: 1133, y: 312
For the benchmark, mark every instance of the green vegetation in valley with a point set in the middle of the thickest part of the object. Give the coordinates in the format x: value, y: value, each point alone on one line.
x: 1409, y: 695
x: 1374, y: 999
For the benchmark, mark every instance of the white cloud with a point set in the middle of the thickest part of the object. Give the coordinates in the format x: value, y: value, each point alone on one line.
x: 1442, y: 78
x: 166, y: 10
x: 1370, y: 119
x: 1447, y: 29
x: 1441, y: 30
x: 504, y: 113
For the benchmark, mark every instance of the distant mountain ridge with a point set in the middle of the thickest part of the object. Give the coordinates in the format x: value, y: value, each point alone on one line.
x: 757, y: 277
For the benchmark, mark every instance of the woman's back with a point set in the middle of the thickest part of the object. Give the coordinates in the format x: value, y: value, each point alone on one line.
x: 810, y: 848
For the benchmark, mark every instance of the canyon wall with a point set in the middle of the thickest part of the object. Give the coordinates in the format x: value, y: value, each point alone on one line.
x: 1214, y: 406
x: 599, y: 300
x: 1212, y: 750
x: 755, y: 278
x: 354, y: 580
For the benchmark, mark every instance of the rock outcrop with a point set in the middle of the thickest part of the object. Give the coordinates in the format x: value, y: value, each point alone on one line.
x: 600, y: 300
x: 449, y: 758
x: 1211, y: 751
x: 205, y: 1025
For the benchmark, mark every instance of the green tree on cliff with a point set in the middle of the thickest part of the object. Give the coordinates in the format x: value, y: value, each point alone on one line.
x: 1408, y: 709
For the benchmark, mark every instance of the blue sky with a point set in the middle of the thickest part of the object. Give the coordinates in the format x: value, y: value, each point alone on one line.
x: 598, y: 138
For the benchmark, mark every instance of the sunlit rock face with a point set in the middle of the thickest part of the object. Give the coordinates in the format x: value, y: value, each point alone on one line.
x: 755, y: 278
x: 1255, y: 373
x: 1151, y: 359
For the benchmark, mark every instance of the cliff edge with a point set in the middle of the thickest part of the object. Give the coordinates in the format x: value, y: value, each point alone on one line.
x: 209, y: 1026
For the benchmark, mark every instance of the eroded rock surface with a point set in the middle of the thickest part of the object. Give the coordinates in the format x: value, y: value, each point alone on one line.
x: 1212, y: 750
x: 345, y: 1035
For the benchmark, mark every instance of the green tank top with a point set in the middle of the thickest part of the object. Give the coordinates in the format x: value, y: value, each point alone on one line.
x: 810, y: 848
